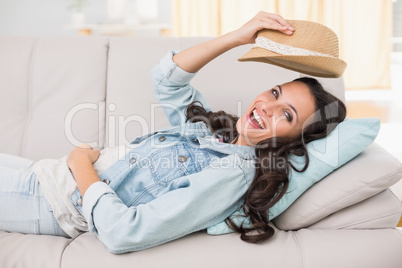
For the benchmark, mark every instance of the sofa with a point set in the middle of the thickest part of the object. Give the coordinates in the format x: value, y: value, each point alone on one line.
x: 57, y: 92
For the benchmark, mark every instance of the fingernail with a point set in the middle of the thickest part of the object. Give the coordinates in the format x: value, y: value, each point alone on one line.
x: 291, y: 28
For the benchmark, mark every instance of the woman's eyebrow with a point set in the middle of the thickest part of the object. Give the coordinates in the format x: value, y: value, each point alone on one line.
x: 280, y: 88
x: 291, y: 106
x: 297, y: 116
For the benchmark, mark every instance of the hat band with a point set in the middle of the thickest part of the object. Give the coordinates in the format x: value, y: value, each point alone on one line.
x: 282, y: 49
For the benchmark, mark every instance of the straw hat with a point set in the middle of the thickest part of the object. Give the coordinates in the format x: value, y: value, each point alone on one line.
x: 312, y: 49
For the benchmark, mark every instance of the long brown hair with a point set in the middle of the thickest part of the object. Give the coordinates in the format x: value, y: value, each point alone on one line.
x: 272, y: 161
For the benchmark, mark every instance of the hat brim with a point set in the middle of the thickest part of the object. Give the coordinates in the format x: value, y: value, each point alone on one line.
x: 319, y: 66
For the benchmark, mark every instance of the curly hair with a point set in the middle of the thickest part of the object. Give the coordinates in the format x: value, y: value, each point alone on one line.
x: 272, y: 161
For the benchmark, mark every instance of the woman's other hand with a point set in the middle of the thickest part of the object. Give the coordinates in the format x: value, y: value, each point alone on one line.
x: 263, y: 20
x: 82, y: 153
x: 80, y: 162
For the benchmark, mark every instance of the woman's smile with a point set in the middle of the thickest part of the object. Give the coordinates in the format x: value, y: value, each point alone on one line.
x: 255, y: 120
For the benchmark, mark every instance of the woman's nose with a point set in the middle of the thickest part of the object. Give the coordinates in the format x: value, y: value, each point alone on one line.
x: 267, y: 109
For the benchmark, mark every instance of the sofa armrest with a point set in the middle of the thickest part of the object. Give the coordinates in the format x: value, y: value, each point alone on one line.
x: 368, y: 174
x: 380, y: 211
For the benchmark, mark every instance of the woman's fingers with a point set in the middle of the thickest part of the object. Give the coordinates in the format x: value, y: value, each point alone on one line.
x: 275, y: 22
x: 271, y: 16
x: 263, y: 20
x: 81, y: 152
x: 277, y: 26
x: 95, y: 156
x: 85, y: 146
x: 280, y: 20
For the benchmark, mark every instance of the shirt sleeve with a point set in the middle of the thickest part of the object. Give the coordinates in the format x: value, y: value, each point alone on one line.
x: 203, y: 199
x: 173, y: 90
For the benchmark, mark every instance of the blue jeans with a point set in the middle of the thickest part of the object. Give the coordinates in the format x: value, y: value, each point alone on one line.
x: 23, y: 207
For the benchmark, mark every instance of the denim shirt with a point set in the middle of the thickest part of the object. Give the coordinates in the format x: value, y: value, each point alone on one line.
x: 172, y: 182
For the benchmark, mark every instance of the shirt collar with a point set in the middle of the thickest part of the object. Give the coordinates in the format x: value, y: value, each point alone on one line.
x: 213, y: 143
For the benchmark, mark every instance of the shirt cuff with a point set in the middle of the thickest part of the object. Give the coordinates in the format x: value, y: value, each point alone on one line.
x: 173, y: 72
x: 91, y: 197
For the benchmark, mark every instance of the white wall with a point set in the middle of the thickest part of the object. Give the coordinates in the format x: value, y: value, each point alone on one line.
x: 48, y: 17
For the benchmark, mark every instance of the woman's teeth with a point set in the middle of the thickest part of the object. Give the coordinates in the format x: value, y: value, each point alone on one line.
x: 258, y: 118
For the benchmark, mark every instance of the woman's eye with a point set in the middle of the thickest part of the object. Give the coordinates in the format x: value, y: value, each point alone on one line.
x: 288, y: 116
x: 275, y: 93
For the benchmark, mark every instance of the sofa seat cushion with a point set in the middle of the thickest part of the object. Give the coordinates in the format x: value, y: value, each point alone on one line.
x: 34, y: 251
x: 303, y: 248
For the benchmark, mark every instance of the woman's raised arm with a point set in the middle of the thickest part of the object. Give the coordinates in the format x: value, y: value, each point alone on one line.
x: 194, y: 58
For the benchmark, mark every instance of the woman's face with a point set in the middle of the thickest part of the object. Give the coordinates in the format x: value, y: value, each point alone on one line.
x: 278, y: 112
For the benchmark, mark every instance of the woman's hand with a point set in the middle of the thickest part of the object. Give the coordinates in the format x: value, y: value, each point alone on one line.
x: 80, y: 162
x: 194, y: 58
x: 263, y: 20
x: 82, y: 153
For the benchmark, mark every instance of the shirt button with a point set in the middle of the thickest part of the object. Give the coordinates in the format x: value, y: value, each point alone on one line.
x: 79, y: 202
x: 182, y: 159
x: 106, y: 181
x: 132, y: 160
x: 162, y: 138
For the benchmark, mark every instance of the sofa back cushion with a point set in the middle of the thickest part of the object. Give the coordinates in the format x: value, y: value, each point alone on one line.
x: 15, y: 54
x: 52, y: 94
x: 57, y: 92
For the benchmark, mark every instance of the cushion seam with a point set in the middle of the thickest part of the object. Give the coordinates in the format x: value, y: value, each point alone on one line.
x: 299, y: 246
x: 371, y: 219
x: 67, y: 245
x: 345, y: 226
x: 106, y: 96
x: 399, y: 232
x: 347, y: 195
x: 29, y: 94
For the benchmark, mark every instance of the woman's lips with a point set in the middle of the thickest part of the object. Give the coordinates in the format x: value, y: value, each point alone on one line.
x: 258, y: 118
x: 252, y: 119
x: 252, y: 122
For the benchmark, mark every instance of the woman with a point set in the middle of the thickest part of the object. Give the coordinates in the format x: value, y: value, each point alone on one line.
x: 182, y: 179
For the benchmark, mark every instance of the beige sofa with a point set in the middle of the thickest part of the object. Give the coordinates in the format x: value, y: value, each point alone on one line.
x: 56, y: 92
